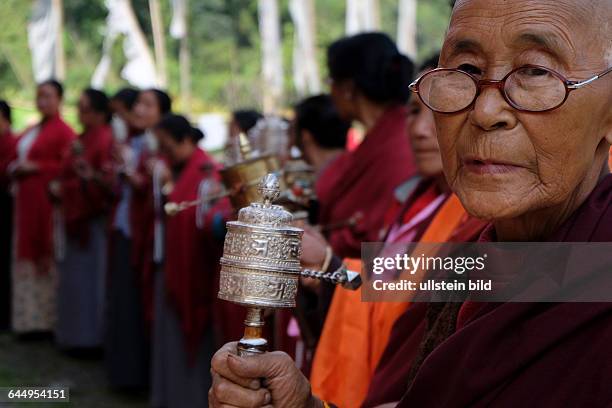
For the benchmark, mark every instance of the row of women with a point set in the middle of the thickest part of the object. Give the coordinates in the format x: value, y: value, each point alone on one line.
x: 92, y: 259
x: 508, y: 141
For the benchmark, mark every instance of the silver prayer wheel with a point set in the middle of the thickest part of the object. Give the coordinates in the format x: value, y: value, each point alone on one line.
x: 260, y: 266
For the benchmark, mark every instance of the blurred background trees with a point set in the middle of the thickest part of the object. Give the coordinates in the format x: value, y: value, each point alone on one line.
x: 224, y: 45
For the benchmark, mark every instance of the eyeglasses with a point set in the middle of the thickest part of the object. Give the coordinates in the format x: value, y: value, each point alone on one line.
x: 530, y: 88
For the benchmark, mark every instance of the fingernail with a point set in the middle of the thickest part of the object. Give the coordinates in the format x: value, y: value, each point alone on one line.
x: 267, y: 398
x: 255, y: 384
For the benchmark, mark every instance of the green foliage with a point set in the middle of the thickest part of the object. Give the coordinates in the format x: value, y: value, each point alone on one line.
x: 224, y: 44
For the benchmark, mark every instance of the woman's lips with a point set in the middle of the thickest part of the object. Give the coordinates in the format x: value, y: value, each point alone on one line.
x: 482, y: 166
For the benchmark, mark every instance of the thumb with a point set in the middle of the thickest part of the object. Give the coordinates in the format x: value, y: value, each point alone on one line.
x: 266, y: 365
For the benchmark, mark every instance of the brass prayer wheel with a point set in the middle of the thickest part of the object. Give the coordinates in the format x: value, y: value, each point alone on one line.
x: 260, y: 266
x: 242, y: 178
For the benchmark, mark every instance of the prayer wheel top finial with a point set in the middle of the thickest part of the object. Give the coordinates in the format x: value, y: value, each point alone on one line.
x: 269, y: 188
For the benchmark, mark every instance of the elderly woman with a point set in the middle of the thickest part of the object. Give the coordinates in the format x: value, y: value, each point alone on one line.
x: 524, y: 126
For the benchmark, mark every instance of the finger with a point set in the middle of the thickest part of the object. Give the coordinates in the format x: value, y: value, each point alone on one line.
x: 219, y: 365
x: 227, y: 392
x: 213, y: 403
x: 260, y: 366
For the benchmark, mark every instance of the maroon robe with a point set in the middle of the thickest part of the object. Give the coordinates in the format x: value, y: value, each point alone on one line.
x: 528, y: 354
x: 361, y: 183
x: 192, y: 254
x: 34, y: 211
x: 7, y: 155
x: 83, y: 200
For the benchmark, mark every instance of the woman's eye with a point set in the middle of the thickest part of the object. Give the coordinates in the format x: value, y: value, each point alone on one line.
x: 470, y: 69
x: 414, y: 110
x: 531, y: 71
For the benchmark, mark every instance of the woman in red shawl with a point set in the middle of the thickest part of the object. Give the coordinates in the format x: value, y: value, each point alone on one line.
x: 7, y: 155
x: 187, y: 288
x: 131, y: 259
x: 526, y: 148
x: 84, y: 191
x: 369, y: 84
x: 40, y: 154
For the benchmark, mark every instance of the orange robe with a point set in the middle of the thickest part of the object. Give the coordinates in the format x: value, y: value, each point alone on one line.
x: 355, y: 333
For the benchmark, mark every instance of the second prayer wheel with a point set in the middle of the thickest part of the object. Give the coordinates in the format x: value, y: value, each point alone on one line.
x: 242, y: 179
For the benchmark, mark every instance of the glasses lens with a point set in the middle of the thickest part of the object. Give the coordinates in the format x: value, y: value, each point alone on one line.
x: 447, y: 91
x: 535, y: 89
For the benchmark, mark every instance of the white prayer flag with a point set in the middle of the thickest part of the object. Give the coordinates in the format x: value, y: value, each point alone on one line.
x: 178, y: 25
x: 407, y: 28
x: 139, y: 69
x: 361, y: 16
x: 43, y: 36
x: 305, y: 69
x: 272, y: 62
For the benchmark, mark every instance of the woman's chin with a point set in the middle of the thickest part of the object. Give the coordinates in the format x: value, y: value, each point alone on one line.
x: 491, y: 206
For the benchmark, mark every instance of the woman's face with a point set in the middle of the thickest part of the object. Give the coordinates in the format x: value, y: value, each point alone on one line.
x: 146, y: 110
x: 86, y: 114
x: 504, y: 163
x: 176, y: 152
x: 342, y: 94
x: 48, y: 100
x: 422, y: 131
x: 5, y: 125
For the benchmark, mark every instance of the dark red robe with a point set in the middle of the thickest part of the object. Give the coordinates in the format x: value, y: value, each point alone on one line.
x: 83, y: 200
x: 361, y: 183
x: 34, y: 210
x: 528, y: 354
x: 7, y: 155
x: 192, y: 254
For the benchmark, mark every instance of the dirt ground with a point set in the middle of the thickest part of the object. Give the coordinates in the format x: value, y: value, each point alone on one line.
x: 39, y: 363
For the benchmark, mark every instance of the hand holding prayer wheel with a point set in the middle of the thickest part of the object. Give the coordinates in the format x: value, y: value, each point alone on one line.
x: 236, y: 381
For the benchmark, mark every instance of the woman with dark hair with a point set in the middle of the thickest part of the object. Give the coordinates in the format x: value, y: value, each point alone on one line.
x: 131, y: 260
x: 320, y: 133
x: 40, y: 154
x: 121, y: 105
x: 186, y: 285
x: 83, y: 191
x: 369, y: 84
x: 7, y: 155
x: 242, y: 121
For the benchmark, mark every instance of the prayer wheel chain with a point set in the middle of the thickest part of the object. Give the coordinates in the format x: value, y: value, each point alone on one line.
x: 336, y: 277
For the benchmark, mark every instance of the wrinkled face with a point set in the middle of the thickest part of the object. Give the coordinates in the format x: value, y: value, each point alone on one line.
x: 503, y: 163
x: 146, y: 111
x: 422, y: 131
x: 47, y: 100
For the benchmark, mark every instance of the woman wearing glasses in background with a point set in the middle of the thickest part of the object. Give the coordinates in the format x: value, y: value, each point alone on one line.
x: 524, y: 120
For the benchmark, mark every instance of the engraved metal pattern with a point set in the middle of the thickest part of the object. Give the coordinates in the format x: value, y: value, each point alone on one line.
x: 250, y: 287
x: 260, y: 266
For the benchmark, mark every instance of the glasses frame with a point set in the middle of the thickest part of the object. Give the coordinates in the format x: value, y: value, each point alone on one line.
x: 501, y: 85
